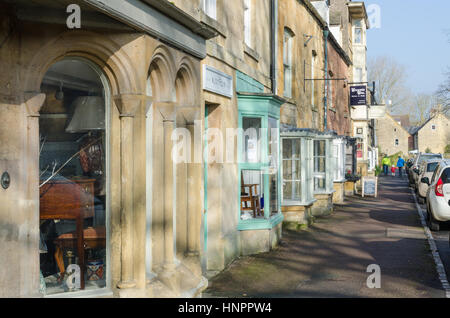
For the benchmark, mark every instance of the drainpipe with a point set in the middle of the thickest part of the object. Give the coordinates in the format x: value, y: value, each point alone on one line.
x: 325, y: 99
x: 273, y: 44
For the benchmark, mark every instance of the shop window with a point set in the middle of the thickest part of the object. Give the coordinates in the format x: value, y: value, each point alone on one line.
x: 252, y: 139
x: 73, y: 178
x: 259, y: 170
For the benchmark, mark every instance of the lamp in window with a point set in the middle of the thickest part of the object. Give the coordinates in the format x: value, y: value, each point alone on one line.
x: 89, y: 114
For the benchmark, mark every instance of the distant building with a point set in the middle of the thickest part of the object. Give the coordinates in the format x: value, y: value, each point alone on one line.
x: 392, y: 136
x: 434, y: 134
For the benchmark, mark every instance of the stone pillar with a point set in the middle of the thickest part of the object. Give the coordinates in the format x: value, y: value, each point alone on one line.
x: 128, y: 106
x: 169, y: 246
x: 194, y: 195
x: 30, y: 276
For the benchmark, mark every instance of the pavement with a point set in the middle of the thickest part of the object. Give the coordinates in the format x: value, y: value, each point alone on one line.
x: 330, y: 259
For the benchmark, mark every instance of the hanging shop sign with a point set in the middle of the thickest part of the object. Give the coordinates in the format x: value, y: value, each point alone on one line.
x: 217, y: 82
x: 358, y: 95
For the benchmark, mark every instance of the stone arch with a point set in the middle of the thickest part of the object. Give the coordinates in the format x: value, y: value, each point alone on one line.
x: 107, y: 55
x: 186, y: 84
x: 161, y: 74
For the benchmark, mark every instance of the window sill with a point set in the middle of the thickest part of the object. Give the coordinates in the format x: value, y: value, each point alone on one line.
x: 104, y: 292
x: 260, y: 224
x: 340, y: 181
x: 251, y: 52
x: 299, y: 203
x: 324, y: 192
x: 213, y: 24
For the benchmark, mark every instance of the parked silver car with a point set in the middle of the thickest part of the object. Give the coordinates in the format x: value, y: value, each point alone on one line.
x: 421, y: 157
x: 426, y: 170
x: 438, y: 195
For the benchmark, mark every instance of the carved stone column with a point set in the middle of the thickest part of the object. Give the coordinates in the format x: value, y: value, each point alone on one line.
x: 128, y: 105
x: 33, y: 102
x: 195, y: 196
x: 169, y: 246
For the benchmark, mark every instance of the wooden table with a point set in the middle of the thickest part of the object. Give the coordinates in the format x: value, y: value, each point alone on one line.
x: 69, y: 199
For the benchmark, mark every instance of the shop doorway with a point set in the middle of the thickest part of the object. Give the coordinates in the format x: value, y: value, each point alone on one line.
x: 74, y: 178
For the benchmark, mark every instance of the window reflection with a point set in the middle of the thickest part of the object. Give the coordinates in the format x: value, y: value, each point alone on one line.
x: 72, y: 166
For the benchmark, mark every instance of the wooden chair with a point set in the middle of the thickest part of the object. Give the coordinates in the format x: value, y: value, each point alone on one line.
x: 250, y: 200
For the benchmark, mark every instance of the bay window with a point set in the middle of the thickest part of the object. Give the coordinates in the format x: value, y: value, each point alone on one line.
x: 323, y: 165
x: 258, y: 161
x: 297, y: 184
x: 339, y: 154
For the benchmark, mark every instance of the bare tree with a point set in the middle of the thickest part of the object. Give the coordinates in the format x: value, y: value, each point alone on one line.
x: 420, y: 107
x: 389, y: 77
x: 443, y: 93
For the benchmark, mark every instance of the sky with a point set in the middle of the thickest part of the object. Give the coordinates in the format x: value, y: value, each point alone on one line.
x: 413, y: 32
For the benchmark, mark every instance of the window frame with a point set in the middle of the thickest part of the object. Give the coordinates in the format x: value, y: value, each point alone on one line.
x: 306, y: 163
x: 210, y: 8
x: 260, y: 106
x: 329, y: 166
x: 248, y: 22
x: 288, y: 38
x: 340, y: 158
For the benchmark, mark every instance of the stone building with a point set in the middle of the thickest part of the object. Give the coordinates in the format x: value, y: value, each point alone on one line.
x: 433, y: 135
x: 392, y: 137
x: 141, y: 152
x: 242, y: 56
x: 102, y: 110
x: 111, y: 91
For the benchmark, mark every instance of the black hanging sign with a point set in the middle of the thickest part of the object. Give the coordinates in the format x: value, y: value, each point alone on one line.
x: 358, y: 95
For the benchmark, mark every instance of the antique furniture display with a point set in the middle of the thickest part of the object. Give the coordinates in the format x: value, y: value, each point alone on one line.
x: 72, y: 199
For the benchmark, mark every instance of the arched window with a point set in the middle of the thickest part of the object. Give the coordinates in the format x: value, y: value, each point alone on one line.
x: 73, y: 177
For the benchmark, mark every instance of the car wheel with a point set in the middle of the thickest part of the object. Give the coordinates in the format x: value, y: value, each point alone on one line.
x: 434, y: 224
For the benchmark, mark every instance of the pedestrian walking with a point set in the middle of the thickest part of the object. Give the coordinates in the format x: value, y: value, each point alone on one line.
x: 386, y: 162
x: 400, y: 165
x: 393, y: 168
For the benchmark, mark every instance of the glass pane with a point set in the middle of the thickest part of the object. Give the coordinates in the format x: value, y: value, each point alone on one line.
x: 297, y: 166
x: 319, y: 183
x: 319, y: 147
x: 252, y: 194
x: 319, y: 164
x: 287, y: 148
x: 297, y: 190
x: 287, y: 170
x: 72, y: 179
x: 273, y: 135
x: 358, y: 35
x: 251, y: 139
x: 287, y: 190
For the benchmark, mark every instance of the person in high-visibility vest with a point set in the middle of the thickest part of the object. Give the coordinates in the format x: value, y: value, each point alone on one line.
x: 386, y: 162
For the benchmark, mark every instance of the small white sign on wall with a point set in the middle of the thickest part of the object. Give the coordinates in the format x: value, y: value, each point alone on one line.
x: 217, y: 82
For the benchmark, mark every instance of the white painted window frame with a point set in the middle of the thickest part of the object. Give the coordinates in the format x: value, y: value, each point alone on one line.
x: 287, y: 62
x: 339, y: 154
x: 210, y: 8
x: 306, y: 177
x: 248, y: 22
